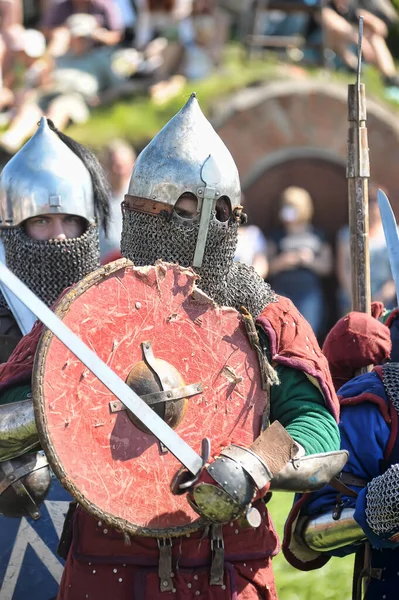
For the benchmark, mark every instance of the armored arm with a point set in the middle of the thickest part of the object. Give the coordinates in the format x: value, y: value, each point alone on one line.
x: 25, y: 477
x: 18, y: 433
x: 230, y: 483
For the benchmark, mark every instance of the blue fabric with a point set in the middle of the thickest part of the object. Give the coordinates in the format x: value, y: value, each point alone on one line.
x: 29, y: 565
x: 365, y: 434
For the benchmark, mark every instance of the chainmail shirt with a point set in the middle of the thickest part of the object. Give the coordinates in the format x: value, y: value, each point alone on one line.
x: 48, y: 267
x: 382, y: 511
x: 148, y: 238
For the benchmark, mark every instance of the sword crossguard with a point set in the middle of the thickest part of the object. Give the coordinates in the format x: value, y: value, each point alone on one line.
x: 184, y: 480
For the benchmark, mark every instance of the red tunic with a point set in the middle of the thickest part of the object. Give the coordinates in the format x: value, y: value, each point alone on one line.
x: 102, y: 565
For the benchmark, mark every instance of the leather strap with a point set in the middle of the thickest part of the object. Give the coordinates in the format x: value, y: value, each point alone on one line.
x: 217, y: 547
x: 165, y: 565
x: 146, y: 206
x: 275, y: 447
x: 342, y: 482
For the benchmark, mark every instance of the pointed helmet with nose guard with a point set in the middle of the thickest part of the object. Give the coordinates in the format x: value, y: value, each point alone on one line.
x: 187, y: 157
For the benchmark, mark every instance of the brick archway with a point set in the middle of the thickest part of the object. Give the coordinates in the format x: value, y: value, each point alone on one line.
x: 303, y: 119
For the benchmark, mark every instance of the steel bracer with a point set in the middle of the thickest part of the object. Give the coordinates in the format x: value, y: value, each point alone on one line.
x: 18, y: 433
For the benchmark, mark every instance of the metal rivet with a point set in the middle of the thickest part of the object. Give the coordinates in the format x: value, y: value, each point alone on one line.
x: 196, y: 577
x: 174, y: 590
x: 223, y: 587
x: 89, y: 564
x: 172, y: 574
x: 105, y: 531
x: 120, y: 579
x: 94, y: 571
x: 187, y: 535
x: 231, y: 524
x: 211, y: 468
x: 99, y: 523
x: 245, y: 564
x: 115, y: 570
x: 138, y: 305
x: 197, y: 593
x: 236, y: 531
x: 169, y: 394
x: 123, y: 565
x: 189, y: 585
x: 165, y: 583
x: 223, y: 460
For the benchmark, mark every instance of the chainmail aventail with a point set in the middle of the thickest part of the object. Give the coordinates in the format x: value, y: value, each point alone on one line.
x: 48, y: 267
x: 147, y: 238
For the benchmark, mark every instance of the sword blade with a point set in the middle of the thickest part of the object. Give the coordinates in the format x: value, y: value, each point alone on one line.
x: 165, y: 434
x: 391, y: 235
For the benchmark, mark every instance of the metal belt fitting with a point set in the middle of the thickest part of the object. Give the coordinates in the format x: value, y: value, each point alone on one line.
x: 217, y: 547
x: 165, y: 565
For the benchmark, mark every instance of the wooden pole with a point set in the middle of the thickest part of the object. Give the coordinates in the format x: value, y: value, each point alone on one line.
x: 358, y: 173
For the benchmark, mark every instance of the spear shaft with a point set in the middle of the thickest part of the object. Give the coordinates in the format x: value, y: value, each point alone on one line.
x: 358, y: 173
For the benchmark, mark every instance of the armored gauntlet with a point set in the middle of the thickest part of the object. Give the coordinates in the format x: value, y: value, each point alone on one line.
x: 227, y: 486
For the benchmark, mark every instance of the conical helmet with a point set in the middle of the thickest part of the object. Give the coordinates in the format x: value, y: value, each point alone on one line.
x: 186, y: 156
x: 45, y: 177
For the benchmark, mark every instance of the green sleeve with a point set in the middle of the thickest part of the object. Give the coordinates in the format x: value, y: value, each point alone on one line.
x: 300, y: 407
x: 15, y: 394
x: 387, y: 313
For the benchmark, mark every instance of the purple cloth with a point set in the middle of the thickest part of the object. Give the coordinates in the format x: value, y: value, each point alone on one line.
x: 106, y: 12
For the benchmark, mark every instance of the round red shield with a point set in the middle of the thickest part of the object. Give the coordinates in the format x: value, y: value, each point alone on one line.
x: 152, y: 326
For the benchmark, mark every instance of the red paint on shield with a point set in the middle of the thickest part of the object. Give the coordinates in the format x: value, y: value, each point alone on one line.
x: 117, y: 468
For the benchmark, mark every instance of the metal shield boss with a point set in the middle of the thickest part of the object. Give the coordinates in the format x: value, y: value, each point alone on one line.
x: 190, y: 360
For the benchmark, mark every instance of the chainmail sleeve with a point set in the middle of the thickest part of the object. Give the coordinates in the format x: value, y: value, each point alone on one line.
x: 382, y: 506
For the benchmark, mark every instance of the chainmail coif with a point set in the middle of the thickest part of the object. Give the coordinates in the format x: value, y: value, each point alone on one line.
x: 48, y: 267
x: 148, y: 238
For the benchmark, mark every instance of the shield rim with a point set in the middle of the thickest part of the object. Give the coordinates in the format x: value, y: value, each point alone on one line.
x: 117, y: 523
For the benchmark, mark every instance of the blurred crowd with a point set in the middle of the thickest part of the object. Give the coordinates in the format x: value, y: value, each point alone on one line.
x: 336, y: 26
x: 63, y: 57
x: 298, y: 260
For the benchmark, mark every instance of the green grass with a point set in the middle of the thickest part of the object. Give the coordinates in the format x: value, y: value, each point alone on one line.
x: 332, y: 582
x: 138, y: 119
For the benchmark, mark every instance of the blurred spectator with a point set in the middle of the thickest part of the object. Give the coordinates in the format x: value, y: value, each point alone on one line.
x: 128, y: 15
x: 252, y: 249
x: 28, y: 47
x: 381, y: 282
x: 340, y: 22
x: 10, y: 20
x: 80, y: 79
x: 118, y: 160
x: 109, y: 25
x: 299, y: 257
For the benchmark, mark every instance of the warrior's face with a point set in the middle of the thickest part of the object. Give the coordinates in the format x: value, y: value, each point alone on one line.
x: 55, y: 227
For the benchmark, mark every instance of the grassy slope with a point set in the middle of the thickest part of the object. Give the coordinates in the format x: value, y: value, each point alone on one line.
x: 138, y: 119
x: 332, y: 582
